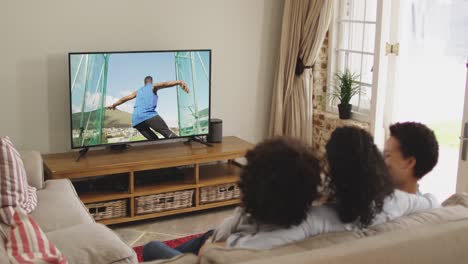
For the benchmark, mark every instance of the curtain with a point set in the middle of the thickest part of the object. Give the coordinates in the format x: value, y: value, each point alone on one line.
x: 305, y: 25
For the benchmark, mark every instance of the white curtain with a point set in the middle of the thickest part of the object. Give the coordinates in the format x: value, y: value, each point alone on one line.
x: 305, y: 24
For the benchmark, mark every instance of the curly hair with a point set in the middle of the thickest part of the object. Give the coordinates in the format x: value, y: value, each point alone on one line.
x: 279, y: 182
x: 358, y: 180
x: 418, y: 141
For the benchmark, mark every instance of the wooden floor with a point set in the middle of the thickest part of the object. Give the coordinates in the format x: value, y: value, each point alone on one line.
x: 167, y: 228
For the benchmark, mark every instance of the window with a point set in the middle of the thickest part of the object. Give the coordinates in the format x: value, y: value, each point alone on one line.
x: 352, y: 46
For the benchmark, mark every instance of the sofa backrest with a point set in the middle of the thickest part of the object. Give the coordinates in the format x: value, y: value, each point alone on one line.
x: 33, y: 165
x: 455, y: 210
x: 444, y: 243
x: 215, y: 254
x: 431, y: 217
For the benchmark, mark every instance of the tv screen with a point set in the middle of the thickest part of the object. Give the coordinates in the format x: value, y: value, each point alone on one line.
x: 123, y: 97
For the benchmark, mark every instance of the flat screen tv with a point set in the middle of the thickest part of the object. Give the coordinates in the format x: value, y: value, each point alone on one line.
x: 127, y: 97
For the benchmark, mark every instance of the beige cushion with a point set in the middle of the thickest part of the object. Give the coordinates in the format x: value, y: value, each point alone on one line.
x: 33, y: 165
x: 214, y: 254
x: 92, y: 243
x: 457, y: 199
x: 445, y: 243
x: 59, y: 207
x: 182, y: 259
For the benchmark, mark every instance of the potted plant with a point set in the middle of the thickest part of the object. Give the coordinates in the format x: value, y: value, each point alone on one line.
x: 345, y: 88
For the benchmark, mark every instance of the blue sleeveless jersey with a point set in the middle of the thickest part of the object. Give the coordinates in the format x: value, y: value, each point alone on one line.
x: 145, y: 105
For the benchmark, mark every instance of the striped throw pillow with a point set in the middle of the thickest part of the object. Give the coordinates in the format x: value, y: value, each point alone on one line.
x: 27, y: 243
x: 14, y: 188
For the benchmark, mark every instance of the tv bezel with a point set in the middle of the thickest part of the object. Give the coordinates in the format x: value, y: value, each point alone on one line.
x: 142, y: 141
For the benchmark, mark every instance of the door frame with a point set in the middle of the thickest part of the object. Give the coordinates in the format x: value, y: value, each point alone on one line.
x: 462, y: 175
x: 378, y: 126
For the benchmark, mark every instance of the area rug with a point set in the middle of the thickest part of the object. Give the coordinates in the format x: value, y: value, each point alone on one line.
x: 172, y: 243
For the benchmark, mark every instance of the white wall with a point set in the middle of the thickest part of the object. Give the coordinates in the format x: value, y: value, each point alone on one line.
x: 35, y: 37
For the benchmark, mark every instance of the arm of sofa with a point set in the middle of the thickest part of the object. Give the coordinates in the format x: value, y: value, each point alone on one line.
x: 92, y: 243
x: 34, y: 168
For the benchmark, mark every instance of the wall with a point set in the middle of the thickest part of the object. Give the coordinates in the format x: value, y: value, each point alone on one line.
x: 37, y: 35
x: 325, y: 122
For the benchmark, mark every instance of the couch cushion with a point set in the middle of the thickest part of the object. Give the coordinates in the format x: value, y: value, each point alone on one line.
x: 215, y: 254
x: 92, y: 243
x: 14, y: 188
x: 457, y: 199
x: 445, y: 243
x: 33, y: 165
x: 27, y: 243
x: 59, y: 206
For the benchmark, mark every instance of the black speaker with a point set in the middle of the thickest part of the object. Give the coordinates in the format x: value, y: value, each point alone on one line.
x: 216, y: 131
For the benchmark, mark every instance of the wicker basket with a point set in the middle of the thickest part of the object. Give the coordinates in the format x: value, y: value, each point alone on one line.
x: 108, y: 210
x: 163, y: 202
x: 223, y: 192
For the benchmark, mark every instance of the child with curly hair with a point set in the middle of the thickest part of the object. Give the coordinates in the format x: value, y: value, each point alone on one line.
x: 278, y: 185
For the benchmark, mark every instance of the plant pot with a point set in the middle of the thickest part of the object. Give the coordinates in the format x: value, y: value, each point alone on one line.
x: 345, y: 111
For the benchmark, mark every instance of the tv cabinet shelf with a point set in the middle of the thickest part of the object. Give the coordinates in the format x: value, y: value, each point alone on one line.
x: 218, y: 174
x: 93, y: 197
x: 201, y: 166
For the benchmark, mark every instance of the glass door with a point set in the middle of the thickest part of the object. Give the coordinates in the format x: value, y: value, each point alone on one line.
x: 426, y: 78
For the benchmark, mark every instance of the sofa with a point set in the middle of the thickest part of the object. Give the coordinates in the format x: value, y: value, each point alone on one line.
x: 66, y: 222
x: 68, y: 225
x: 436, y: 236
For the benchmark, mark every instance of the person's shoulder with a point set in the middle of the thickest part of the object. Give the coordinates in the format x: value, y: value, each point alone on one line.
x: 397, y: 198
x: 146, y: 86
x: 431, y: 197
x: 415, y: 199
x: 239, y: 211
x: 323, y: 219
x: 399, y: 195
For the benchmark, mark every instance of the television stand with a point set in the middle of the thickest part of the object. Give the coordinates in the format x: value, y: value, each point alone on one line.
x: 119, y: 183
x: 82, y: 153
x: 199, y: 140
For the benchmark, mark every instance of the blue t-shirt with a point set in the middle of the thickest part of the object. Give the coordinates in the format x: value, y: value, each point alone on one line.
x: 145, y: 105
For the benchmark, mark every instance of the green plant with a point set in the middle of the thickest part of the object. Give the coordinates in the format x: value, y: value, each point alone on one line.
x: 346, y: 86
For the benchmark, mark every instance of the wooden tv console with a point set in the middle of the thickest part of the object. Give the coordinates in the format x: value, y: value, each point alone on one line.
x: 203, y: 166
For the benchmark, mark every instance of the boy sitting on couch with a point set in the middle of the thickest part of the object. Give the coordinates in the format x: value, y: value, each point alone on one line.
x: 410, y: 153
